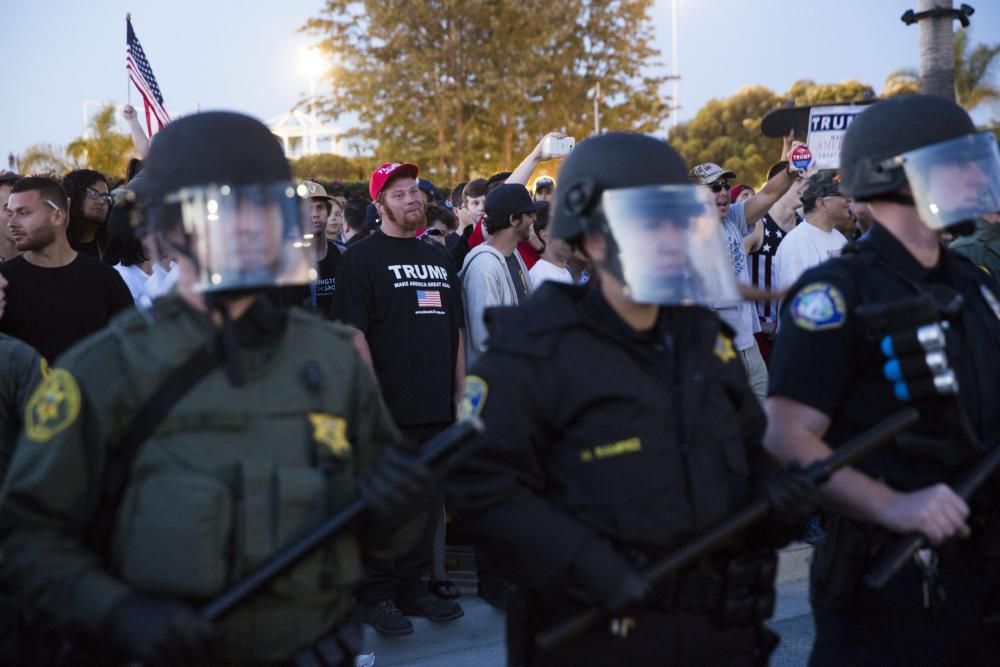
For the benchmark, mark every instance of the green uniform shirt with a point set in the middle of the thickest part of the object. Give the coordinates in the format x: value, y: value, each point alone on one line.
x: 21, y: 368
x: 982, y: 248
x: 228, y: 477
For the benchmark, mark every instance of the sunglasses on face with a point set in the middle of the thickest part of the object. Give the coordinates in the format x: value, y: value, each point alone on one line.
x: 719, y: 186
x: 103, y: 196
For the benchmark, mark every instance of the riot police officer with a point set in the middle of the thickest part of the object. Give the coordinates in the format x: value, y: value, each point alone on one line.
x: 619, y: 424
x: 165, y: 457
x: 921, y: 167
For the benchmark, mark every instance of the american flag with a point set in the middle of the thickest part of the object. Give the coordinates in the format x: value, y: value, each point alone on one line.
x: 428, y: 298
x: 141, y: 75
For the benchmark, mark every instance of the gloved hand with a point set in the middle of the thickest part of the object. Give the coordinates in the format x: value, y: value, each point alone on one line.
x: 160, y: 631
x: 793, y: 494
x: 397, y: 483
x: 793, y: 498
x: 608, y: 577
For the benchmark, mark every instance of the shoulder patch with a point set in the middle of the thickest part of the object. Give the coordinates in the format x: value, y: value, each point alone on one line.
x: 724, y: 349
x: 473, y: 397
x: 54, y: 406
x: 819, y: 306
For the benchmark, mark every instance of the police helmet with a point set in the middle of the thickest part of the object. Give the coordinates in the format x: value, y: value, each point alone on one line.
x: 664, y: 242
x: 912, y: 140
x: 218, y: 183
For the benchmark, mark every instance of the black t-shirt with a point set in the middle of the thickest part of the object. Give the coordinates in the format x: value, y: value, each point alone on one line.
x: 321, y: 292
x: 52, y: 308
x: 405, y: 297
x: 317, y: 296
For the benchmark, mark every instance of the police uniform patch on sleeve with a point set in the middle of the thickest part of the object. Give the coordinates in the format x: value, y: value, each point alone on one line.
x: 332, y: 432
x: 819, y: 306
x: 473, y: 397
x: 724, y: 349
x: 54, y: 406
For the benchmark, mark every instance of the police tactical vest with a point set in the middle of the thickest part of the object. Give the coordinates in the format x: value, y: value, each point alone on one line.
x: 232, y: 474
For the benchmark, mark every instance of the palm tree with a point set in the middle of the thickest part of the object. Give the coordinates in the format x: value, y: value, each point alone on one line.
x: 937, y: 54
x: 974, y: 72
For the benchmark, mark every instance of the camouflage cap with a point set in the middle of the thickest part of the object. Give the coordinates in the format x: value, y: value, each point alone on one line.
x: 825, y: 183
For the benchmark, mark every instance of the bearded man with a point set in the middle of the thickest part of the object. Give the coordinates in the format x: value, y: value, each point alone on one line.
x: 404, y: 296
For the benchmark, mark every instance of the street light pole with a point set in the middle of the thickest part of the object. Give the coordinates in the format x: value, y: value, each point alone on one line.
x: 673, y: 48
x: 597, y: 108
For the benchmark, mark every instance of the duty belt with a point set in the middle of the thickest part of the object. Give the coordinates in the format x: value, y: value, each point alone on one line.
x: 736, y: 592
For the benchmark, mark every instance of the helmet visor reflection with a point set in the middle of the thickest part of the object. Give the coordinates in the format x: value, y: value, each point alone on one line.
x: 247, y: 236
x: 670, y: 245
x: 956, y: 180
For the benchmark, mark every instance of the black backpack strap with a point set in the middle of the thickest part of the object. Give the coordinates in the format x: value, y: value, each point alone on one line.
x: 173, y: 388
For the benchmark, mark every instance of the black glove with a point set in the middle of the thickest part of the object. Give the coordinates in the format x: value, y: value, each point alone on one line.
x: 793, y: 498
x: 160, y: 631
x: 397, y: 483
x: 608, y: 577
x: 793, y: 494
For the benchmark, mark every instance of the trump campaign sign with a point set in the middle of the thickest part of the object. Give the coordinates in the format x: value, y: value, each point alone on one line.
x: 827, y: 126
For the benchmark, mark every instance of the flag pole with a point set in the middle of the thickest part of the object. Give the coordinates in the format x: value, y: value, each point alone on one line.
x: 128, y: 88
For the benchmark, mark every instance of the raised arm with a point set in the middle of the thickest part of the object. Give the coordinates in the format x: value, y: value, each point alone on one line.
x: 528, y: 165
x: 139, y: 138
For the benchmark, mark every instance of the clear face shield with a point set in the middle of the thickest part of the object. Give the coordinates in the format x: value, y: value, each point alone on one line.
x: 670, y: 248
x: 238, y: 237
x: 954, y: 181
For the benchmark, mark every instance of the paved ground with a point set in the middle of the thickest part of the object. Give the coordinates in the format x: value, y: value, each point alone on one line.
x: 477, y: 639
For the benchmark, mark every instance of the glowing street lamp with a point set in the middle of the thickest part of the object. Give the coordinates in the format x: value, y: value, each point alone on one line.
x: 313, y: 65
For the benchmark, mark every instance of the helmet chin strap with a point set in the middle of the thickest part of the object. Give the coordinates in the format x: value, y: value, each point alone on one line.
x: 226, y: 343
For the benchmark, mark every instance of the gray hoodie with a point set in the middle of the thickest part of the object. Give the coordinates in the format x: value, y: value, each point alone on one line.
x: 486, y: 283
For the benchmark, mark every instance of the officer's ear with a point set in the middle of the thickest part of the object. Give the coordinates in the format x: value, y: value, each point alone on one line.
x: 596, y: 247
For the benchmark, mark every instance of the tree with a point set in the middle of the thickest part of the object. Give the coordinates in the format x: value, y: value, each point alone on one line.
x: 974, y: 72
x: 463, y: 89
x: 937, y: 55
x: 901, y: 82
x: 326, y: 167
x: 805, y: 92
x: 727, y: 131
x: 43, y: 159
x: 106, y: 150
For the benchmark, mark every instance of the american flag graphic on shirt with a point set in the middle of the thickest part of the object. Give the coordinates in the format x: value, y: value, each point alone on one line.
x: 761, y: 270
x: 428, y: 298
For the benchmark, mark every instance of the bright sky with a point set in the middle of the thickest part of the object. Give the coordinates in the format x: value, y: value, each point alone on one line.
x: 246, y: 55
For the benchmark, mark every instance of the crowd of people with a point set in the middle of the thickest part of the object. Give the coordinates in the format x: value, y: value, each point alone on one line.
x: 206, y: 357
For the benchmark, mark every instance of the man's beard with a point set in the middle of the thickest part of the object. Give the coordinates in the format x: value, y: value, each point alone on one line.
x: 411, y: 221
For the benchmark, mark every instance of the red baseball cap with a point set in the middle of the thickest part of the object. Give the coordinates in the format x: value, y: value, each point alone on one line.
x: 386, y: 172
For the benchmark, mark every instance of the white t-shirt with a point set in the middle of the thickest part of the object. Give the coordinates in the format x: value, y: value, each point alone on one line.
x: 803, y: 248
x: 545, y: 270
x: 134, y: 277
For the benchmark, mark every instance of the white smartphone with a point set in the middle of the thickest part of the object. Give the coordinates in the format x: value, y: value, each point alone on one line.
x: 558, y: 147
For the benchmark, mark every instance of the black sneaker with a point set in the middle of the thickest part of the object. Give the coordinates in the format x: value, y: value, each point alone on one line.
x: 386, y: 618
x: 420, y: 602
